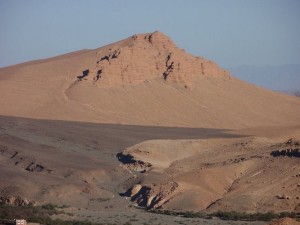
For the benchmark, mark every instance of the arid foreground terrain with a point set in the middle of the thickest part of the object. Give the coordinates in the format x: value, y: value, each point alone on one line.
x: 141, y: 124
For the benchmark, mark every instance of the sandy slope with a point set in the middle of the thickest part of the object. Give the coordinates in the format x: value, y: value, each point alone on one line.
x: 237, y: 174
x: 204, y: 96
x: 71, y: 162
x: 76, y: 164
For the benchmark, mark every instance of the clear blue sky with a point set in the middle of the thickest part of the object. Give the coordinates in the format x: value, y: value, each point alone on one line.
x: 230, y: 32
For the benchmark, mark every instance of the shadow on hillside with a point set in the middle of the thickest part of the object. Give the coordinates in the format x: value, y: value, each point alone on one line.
x: 111, y: 137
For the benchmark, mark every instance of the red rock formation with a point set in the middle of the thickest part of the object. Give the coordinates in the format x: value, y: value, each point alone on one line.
x: 146, y: 57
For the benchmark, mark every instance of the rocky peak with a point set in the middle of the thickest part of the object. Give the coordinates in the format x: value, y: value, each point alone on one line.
x: 158, y: 38
x: 147, y: 57
x: 155, y: 38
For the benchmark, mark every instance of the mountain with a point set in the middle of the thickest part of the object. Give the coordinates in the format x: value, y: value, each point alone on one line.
x: 144, y: 80
x: 141, y: 123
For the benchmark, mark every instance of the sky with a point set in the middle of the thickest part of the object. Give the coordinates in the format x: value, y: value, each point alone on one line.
x: 230, y: 32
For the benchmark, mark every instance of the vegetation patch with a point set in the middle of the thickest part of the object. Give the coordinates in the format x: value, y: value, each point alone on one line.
x: 233, y: 215
x: 37, y: 214
x: 42, y: 214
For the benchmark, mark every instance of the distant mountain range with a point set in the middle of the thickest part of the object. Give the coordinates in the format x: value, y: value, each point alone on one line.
x: 285, y: 78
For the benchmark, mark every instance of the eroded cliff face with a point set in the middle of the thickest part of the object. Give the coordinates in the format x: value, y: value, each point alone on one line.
x: 152, y: 196
x: 146, y: 57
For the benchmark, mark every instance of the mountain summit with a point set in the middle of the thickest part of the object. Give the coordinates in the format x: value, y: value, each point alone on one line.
x: 146, y: 57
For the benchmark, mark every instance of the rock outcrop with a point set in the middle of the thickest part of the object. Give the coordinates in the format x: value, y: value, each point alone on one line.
x: 15, y: 201
x: 152, y: 196
x: 146, y: 57
x: 133, y: 164
x: 21, y: 160
x: 289, y: 149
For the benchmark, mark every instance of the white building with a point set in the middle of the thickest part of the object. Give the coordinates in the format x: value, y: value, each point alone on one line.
x: 21, y: 222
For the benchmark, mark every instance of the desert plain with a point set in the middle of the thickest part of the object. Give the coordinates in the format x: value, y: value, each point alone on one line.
x: 140, y: 125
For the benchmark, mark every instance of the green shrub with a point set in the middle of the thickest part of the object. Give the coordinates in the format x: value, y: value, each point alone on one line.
x: 233, y: 215
x: 49, y: 207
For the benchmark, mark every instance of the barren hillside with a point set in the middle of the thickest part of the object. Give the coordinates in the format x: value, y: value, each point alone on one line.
x: 144, y: 79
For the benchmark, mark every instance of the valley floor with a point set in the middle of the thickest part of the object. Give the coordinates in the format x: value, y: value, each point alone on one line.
x: 190, y: 169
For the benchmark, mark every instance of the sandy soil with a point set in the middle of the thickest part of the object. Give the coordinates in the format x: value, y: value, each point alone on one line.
x: 76, y: 164
x: 241, y: 174
x: 285, y: 221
